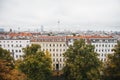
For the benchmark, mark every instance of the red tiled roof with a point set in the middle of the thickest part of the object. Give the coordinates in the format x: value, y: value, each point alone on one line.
x: 19, y: 34
x: 77, y: 37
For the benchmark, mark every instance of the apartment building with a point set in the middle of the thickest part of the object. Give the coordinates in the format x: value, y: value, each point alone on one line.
x: 56, y: 45
x: 15, y: 46
x: 103, y: 44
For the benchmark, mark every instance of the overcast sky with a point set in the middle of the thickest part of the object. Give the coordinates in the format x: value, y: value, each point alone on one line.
x: 72, y: 14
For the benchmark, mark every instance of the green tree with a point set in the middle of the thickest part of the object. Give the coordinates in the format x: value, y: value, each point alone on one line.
x: 5, y: 55
x: 81, y: 62
x: 36, y: 65
x: 112, y: 66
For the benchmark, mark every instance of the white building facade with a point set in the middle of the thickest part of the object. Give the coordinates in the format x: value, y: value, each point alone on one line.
x: 103, y: 46
x: 15, y: 46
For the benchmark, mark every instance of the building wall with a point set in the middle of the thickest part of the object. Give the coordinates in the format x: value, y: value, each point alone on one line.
x: 14, y: 46
x: 104, y: 47
x: 56, y: 50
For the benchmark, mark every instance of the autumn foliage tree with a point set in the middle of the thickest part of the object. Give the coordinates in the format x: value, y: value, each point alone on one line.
x: 7, y: 67
x: 82, y: 62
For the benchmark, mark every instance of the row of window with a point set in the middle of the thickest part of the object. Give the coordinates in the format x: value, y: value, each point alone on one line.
x: 56, y: 55
x: 103, y: 59
x: 11, y: 41
x: 53, y: 45
x: 104, y: 45
x: 60, y: 66
x: 55, y: 50
x: 102, y: 55
x: 8, y: 45
x: 58, y: 60
x: 18, y: 56
x: 104, y: 50
x: 15, y: 51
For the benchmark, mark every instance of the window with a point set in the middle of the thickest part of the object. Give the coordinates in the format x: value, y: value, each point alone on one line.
x: 102, y: 50
x: 16, y: 56
x: 60, y: 60
x: 57, y: 59
x: 57, y: 50
x: 96, y: 50
x: 99, y: 50
x: 60, y: 50
x: 16, y: 50
x: 60, y: 45
x: 53, y: 45
x: 20, y: 45
x: 16, y: 45
x: 8, y: 45
x: 20, y: 51
x: 103, y: 45
x: 99, y: 45
x: 7, y: 41
x: 53, y: 59
x: 102, y: 54
x: 50, y: 45
x: 63, y: 44
x: 96, y: 45
x: 12, y: 45
x: 12, y: 50
x: 50, y: 49
x: 56, y: 54
x: 60, y: 54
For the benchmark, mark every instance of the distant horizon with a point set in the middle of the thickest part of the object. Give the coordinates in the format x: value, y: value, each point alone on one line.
x: 37, y: 28
x: 60, y: 15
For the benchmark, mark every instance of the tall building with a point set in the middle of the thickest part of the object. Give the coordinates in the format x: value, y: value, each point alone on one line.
x: 15, y: 46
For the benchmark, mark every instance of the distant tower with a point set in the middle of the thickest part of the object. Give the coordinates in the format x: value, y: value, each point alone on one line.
x: 58, y: 25
x: 10, y: 30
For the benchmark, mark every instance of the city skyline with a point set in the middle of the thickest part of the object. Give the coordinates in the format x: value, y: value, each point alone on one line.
x: 74, y: 15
